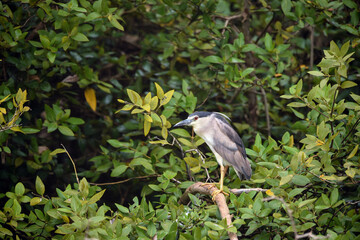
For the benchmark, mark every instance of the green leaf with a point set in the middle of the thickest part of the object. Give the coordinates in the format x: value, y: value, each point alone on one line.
x: 334, y: 196
x: 316, y: 73
x: 19, y: 189
x: 300, y: 180
x: 181, y: 132
x: 45, y: 41
x: 66, y: 131
x: 75, y: 121
x: 115, y: 23
x: 142, y: 162
x: 80, y: 37
x: 51, y: 56
x: 96, y: 197
x: 306, y: 202
x: 348, y: 84
x: 5, y: 231
x: 296, y: 104
x: 268, y: 42
x: 117, y: 171
x: 286, y: 179
x: 121, y: 208
x: 286, y: 6
x: 214, y: 226
x: 39, y: 185
x: 213, y: 59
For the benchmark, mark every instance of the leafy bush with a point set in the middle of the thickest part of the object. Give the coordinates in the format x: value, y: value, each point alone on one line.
x: 108, y: 79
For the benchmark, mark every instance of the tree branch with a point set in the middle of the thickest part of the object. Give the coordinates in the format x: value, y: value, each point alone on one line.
x: 220, y: 200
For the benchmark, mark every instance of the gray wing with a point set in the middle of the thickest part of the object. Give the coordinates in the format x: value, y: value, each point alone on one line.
x: 230, y: 147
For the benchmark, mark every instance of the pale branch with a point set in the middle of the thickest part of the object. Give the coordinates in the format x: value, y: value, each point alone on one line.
x: 73, y: 163
x: 246, y: 190
x: 220, y: 200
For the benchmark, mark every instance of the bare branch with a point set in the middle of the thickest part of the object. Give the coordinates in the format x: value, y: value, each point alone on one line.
x: 246, y: 190
x: 220, y: 200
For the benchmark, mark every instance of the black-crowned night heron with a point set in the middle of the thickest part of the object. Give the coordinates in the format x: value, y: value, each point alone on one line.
x: 223, y: 141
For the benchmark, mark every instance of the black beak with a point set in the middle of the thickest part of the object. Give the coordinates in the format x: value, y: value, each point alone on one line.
x: 185, y: 122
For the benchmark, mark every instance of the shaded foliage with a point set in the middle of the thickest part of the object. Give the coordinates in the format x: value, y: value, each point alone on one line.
x: 107, y: 79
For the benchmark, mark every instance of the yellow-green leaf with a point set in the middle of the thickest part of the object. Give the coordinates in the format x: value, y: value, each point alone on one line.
x: 348, y: 84
x: 353, y: 152
x: 148, y: 118
x: 90, y: 98
x: 57, y: 151
x: 134, y: 97
x: 155, y: 117
x: 96, y: 197
x: 167, y: 97
x: 4, y: 99
x: 162, y: 142
x: 163, y: 120
x: 146, y: 107
x: 39, y: 185
x: 120, y: 100
x: 115, y: 23
x: 159, y: 91
x: 185, y: 142
x: 147, y: 126
x: 147, y: 98
x: 164, y: 132
x: 127, y: 107
x: 137, y: 110
x: 35, y: 200
x: 154, y: 103
x: 286, y: 179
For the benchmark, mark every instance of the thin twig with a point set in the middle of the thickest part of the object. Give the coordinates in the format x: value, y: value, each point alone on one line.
x: 311, y: 46
x: 331, y: 114
x: 267, y: 115
x: 126, y: 180
x: 73, y: 163
x: 352, y: 128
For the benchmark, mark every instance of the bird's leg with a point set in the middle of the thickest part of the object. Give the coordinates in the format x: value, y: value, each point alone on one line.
x: 221, y: 190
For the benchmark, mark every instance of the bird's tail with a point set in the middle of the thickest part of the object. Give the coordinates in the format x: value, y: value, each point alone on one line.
x: 245, y: 171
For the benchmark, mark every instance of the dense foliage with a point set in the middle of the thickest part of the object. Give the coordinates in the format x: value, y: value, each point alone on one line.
x: 90, y: 89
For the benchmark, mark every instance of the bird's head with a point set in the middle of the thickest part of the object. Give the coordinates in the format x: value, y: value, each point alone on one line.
x: 197, y: 119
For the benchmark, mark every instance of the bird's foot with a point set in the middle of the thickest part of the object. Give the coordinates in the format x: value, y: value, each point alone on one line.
x: 215, y: 192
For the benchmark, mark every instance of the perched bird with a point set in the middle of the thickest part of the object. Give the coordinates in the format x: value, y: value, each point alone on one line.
x: 223, y: 141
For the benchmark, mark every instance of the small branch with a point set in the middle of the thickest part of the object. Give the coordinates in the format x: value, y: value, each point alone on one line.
x: 246, y: 190
x: 349, y: 133
x: 264, y: 30
x: 331, y: 115
x: 220, y: 200
x: 266, y: 106
x: 311, y: 46
x: 126, y: 180
x: 73, y: 163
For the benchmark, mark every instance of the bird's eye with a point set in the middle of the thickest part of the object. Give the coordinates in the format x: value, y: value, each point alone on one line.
x: 196, y: 118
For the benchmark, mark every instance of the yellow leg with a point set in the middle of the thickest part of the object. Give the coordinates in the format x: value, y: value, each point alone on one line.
x: 222, y: 174
x: 221, y: 190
